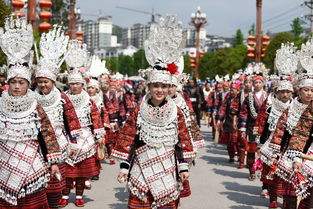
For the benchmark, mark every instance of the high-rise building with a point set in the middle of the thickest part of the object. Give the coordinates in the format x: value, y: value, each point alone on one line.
x: 136, y: 35
x: 97, y: 34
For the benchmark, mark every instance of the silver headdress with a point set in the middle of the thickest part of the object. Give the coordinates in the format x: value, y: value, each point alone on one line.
x: 306, y: 61
x: 53, y: 45
x: 97, y: 67
x: 286, y: 64
x: 163, y: 49
x: 77, y: 57
x: 16, y: 40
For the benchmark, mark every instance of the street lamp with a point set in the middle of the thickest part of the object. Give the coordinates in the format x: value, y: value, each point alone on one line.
x: 198, y: 20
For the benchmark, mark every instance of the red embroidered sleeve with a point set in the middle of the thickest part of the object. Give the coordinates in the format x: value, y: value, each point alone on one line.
x: 54, y: 153
x: 70, y: 116
x: 105, y: 116
x: 222, y: 110
x: 279, y: 131
x: 126, y: 137
x: 261, y: 118
x: 184, y: 138
x: 302, y: 130
x: 98, y: 128
x: 188, y: 102
x: 243, y: 115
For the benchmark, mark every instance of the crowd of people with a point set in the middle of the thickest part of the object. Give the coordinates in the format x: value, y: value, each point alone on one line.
x: 54, y: 133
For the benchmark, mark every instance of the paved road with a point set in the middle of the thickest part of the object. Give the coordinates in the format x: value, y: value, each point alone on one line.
x: 215, y: 184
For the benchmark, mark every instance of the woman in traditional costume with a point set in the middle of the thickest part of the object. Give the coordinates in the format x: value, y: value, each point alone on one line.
x: 52, y: 47
x: 154, y: 144
x: 85, y: 126
x: 27, y: 138
x: 286, y: 63
x: 297, y: 138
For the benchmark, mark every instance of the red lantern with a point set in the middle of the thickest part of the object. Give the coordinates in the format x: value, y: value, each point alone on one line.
x: 18, y: 4
x: 192, y: 65
x: 79, y: 38
x: 18, y: 13
x: 251, y: 43
x: 192, y: 60
x: 263, y: 49
x: 79, y: 33
x: 251, y: 55
x: 265, y: 43
x: 45, y: 4
x: 263, y: 55
x: 44, y: 27
x: 251, y: 49
x: 45, y: 15
x: 266, y: 38
x: 251, y: 38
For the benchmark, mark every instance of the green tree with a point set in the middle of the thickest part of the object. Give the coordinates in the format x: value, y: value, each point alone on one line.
x: 140, y: 61
x: 274, y: 45
x: 252, y: 30
x: 60, y: 11
x: 4, y: 12
x: 296, y: 28
x: 118, y: 31
x: 126, y: 65
x: 238, y: 39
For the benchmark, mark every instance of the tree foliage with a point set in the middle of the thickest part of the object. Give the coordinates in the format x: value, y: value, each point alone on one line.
x: 252, y: 30
x: 296, y: 28
x: 238, y: 38
x: 60, y: 10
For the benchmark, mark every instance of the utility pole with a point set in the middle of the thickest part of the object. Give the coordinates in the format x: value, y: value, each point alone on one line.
x: 258, y: 47
x: 72, y: 22
x: 31, y: 13
x: 309, y: 4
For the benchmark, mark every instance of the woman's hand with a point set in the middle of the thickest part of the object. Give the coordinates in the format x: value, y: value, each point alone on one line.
x: 55, y: 172
x: 184, y: 176
x: 297, y: 166
x: 122, y: 177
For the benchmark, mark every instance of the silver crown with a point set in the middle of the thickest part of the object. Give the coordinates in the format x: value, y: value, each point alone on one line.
x: 286, y: 61
x: 16, y: 40
x: 53, y: 45
x: 165, y: 43
x: 306, y: 61
x: 77, y: 54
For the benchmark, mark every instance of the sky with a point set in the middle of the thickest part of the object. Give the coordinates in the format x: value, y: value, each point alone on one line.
x: 224, y: 16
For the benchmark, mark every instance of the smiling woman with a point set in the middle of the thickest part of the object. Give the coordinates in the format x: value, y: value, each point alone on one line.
x: 28, y: 139
x: 154, y: 144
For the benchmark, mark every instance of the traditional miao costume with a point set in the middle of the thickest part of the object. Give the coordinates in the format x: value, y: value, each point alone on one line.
x: 228, y: 115
x: 52, y: 46
x: 247, y: 117
x: 85, y: 125
x: 28, y: 145
x: 299, y: 132
x: 154, y: 144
